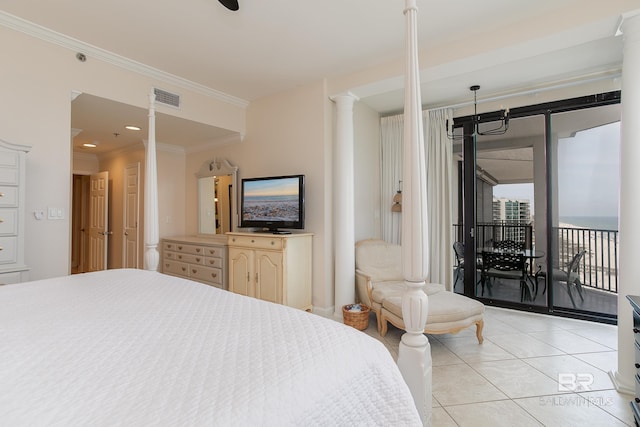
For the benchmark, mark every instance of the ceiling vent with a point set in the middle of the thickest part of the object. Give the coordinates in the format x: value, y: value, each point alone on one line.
x: 167, y: 98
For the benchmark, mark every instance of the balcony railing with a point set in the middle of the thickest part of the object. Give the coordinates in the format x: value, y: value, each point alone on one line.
x: 598, y: 268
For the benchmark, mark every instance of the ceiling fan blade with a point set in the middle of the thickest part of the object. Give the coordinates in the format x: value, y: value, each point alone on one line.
x: 230, y: 4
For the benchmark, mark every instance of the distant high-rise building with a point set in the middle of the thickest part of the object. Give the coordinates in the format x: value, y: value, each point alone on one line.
x: 512, y: 212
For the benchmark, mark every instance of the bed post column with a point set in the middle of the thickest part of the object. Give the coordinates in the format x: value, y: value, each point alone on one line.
x: 414, y: 357
x: 151, y: 238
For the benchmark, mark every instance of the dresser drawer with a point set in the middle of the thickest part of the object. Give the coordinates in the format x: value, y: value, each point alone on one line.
x: 8, y: 196
x: 188, y: 258
x: 10, y: 278
x: 213, y: 262
x: 210, y: 275
x: 8, y: 222
x: 8, y: 249
x: 9, y: 176
x: 213, y: 252
x: 10, y: 159
x: 175, y: 267
x: 257, y: 242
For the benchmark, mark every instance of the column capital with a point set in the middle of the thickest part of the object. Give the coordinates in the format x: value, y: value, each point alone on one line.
x: 344, y: 96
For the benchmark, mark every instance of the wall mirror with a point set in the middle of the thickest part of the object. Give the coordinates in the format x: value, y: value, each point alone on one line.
x: 217, y: 197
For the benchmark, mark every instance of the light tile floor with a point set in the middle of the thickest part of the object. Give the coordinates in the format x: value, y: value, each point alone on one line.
x: 512, y: 379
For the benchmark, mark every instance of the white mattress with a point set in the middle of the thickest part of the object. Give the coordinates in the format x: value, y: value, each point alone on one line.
x: 132, y: 347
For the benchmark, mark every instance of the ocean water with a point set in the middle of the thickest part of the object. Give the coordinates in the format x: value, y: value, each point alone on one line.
x: 594, y: 222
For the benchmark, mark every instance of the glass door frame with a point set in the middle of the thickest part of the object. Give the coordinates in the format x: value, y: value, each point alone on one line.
x: 467, y: 215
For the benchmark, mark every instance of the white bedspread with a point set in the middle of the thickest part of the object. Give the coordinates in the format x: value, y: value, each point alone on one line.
x: 132, y: 347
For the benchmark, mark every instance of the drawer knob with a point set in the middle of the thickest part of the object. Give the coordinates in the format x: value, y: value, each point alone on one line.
x: 167, y: 265
x: 184, y: 268
x: 214, y: 275
x: 169, y: 245
x: 637, y: 400
x: 194, y: 271
x: 198, y: 250
x: 636, y: 330
x: 180, y: 247
x: 637, y: 365
x: 197, y: 259
x: 179, y: 256
x: 253, y: 241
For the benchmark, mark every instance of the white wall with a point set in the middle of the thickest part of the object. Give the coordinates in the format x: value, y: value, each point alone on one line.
x: 36, y: 81
x: 286, y: 135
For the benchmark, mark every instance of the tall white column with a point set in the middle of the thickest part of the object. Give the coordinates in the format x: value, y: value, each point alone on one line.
x: 344, y: 216
x: 629, y: 226
x: 414, y: 355
x: 151, y: 223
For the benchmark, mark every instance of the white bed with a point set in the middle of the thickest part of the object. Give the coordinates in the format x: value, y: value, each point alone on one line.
x: 135, y: 347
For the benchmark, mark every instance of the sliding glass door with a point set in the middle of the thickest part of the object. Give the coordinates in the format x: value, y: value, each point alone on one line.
x: 537, y: 212
x: 585, y: 149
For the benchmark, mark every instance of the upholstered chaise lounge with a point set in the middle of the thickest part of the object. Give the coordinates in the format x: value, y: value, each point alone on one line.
x: 380, y: 285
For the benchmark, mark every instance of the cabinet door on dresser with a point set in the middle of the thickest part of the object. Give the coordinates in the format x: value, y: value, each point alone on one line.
x: 241, y: 271
x: 269, y: 276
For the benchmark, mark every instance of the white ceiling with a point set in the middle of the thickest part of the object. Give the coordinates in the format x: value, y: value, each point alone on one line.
x: 270, y: 46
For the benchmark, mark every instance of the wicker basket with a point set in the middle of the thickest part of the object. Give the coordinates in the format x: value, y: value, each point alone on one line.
x: 357, y: 319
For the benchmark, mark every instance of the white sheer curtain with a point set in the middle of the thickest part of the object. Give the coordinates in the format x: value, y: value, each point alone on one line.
x: 391, y: 133
x: 439, y: 161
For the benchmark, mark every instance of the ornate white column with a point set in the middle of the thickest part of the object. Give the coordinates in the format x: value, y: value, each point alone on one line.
x: 151, y: 233
x: 629, y: 226
x: 344, y: 216
x: 414, y: 357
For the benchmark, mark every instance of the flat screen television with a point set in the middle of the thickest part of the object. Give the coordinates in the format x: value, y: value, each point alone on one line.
x: 272, y: 203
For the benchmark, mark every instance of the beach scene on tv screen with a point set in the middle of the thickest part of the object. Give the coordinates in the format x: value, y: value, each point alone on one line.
x: 271, y: 200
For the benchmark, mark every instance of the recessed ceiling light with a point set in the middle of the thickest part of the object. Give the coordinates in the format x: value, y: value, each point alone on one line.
x: 131, y: 127
x: 93, y: 144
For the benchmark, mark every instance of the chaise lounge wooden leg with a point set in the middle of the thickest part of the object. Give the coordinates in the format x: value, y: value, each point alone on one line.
x: 479, y: 326
x: 383, y: 327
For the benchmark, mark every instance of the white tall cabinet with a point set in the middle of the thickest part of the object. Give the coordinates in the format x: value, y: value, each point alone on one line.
x: 271, y: 267
x: 12, y: 212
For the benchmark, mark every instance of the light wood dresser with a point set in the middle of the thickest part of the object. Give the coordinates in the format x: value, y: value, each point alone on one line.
x: 272, y: 267
x: 202, y: 259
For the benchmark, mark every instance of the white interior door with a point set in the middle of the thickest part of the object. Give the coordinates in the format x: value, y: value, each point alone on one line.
x: 98, y: 221
x: 131, y: 215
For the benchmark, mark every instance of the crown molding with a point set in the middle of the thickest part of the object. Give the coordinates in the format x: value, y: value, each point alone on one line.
x: 42, y: 33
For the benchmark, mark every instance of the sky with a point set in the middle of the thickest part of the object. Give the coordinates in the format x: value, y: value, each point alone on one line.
x: 588, y: 174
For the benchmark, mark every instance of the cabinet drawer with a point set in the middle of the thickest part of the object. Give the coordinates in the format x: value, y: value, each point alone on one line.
x: 9, y: 159
x: 10, y: 278
x: 191, y: 259
x: 213, y: 251
x: 213, y: 262
x: 8, y: 222
x: 212, y: 275
x: 8, y: 196
x: 8, y: 249
x: 175, y: 267
x: 259, y: 242
x: 9, y: 176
